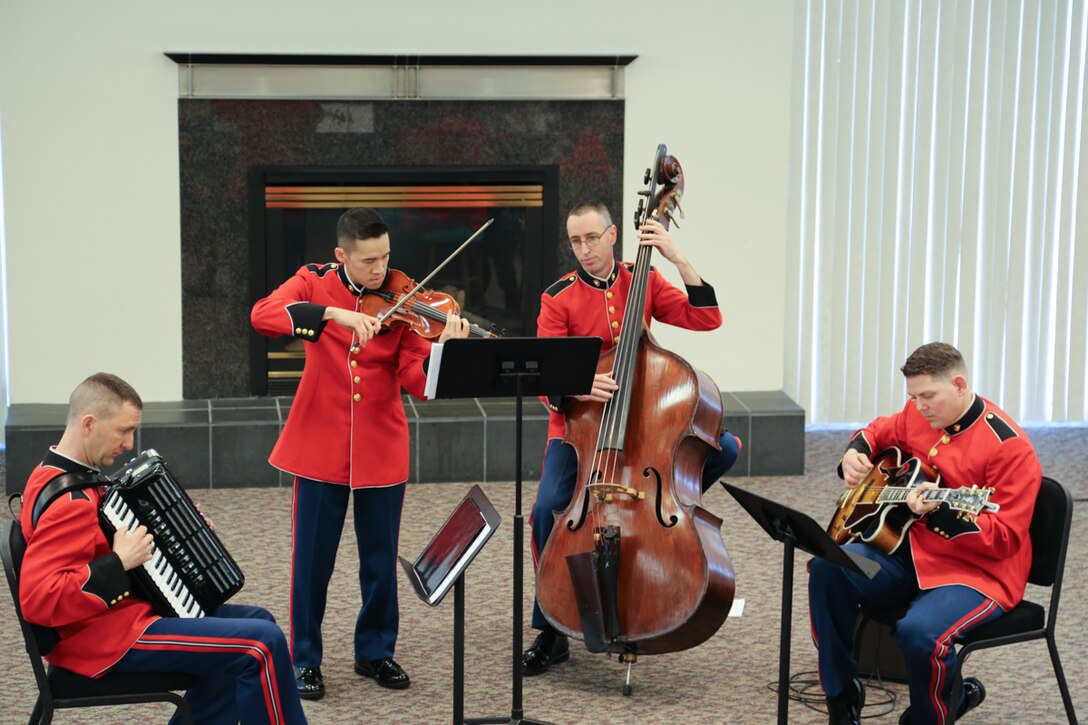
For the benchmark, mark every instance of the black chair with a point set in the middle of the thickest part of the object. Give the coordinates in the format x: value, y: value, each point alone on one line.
x: 1050, y: 526
x: 58, y: 688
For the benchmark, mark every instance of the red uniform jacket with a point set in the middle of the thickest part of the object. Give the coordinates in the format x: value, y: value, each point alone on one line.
x: 347, y: 422
x: 72, y: 581
x: 582, y: 305
x: 986, y: 448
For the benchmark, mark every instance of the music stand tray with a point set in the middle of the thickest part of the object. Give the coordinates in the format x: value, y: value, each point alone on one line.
x: 513, y: 366
x: 796, y: 530
x: 453, y: 547
x: 442, y: 564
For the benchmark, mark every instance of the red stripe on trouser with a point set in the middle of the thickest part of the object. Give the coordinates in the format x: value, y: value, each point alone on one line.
x: 291, y: 589
x: 944, y: 643
x: 253, y: 648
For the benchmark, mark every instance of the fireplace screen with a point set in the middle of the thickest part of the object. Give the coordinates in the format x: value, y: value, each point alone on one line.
x: 497, y: 279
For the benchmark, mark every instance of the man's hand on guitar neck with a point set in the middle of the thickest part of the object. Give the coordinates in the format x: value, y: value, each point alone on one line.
x: 915, y: 502
x: 855, y: 467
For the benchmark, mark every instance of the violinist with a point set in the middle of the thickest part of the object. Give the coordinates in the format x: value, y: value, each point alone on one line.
x: 346, y: 439
x: 591, y: 301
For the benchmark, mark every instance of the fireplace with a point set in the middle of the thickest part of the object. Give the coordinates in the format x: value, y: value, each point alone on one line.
x: 430, y: 211
x: 571, y: 149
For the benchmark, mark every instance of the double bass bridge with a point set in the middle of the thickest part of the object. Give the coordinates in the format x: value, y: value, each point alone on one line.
x: 607, y: 491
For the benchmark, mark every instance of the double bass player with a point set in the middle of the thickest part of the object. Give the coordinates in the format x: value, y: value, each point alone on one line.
x: 590, y: 301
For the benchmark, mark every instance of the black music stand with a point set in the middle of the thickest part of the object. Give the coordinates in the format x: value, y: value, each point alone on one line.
x: 442, y: 564
x: 795, y: 530
x: 517, y: 366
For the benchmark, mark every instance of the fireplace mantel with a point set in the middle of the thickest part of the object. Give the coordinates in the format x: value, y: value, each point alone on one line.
x: 398, y: 77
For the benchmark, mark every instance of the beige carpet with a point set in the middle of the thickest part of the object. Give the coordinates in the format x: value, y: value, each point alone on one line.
x: 725, y: 680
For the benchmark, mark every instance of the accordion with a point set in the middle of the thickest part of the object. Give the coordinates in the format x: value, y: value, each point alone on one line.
x: 190, y: 572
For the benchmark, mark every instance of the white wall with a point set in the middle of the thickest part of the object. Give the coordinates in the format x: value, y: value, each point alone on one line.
x: 88, y: 116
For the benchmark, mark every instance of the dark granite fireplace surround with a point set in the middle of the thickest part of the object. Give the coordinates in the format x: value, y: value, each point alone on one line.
x: 222, y: 140
x: 221, y: 434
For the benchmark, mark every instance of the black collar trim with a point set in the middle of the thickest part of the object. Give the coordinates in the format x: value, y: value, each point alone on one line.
x: 68, y: 465
x: 596, y: 283
x: 353, y: 288
x: 968, y: 419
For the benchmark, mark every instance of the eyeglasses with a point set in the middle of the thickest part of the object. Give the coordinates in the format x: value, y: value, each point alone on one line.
x: 590, y: 240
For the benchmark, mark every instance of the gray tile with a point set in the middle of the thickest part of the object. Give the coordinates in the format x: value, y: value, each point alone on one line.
x: 448, y: 409
x: 184, y: 449
x: 25, y: 449
x: 778, y: 445
x: 768, y: 401
x: 240, y: 455
x: 450, y: 450
x: 217, y: 403
x: 29, y: 415
x: 174, y: 417
x: 531, y: 408
x: 199, y: 404
x: 246, y: 416
x: 501, y: 456
x: 732, y: 405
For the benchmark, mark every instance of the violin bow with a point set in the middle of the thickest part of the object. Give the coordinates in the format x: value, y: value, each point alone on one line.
x: 435, y: 271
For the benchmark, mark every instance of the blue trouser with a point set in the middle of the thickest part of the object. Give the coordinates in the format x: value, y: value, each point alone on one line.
x: 560, y: 473
x: 926, y: 634
x: 240, y: 656
x: 318, y: 521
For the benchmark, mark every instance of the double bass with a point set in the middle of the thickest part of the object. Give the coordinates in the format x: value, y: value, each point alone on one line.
x: 635, y: 564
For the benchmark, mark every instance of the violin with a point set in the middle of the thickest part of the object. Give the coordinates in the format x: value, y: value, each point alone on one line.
x: 424, y: 311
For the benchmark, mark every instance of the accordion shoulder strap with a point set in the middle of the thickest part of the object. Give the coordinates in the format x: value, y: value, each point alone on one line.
x: 61, y: 485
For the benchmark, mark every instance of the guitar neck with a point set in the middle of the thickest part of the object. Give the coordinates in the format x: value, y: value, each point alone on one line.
x: 971, y: 499
x: 898, y: 494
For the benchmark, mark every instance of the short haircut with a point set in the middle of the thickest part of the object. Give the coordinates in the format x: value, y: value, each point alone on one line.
x: 936, y: 359
x: 587, y: 206
x: 357, y: 224
x: 102, y: 394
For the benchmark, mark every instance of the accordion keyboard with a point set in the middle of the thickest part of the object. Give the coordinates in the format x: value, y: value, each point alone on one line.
x: 190, y: 573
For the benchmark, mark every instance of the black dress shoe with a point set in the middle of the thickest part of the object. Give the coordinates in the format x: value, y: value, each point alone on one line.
x: 549, y: 648
x: 845, y: 708
x: 386, y: 673
x: 310, y: 683
x: 973, y: 694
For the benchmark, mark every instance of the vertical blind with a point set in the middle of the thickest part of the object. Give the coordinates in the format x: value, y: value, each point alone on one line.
x: 937, y: 153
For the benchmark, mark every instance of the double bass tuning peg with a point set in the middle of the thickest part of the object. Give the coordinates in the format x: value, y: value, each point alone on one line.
x: 675, y: 212
x: 646, y: 177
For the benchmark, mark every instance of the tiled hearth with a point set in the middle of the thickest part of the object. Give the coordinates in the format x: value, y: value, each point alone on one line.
x: 225, y: 442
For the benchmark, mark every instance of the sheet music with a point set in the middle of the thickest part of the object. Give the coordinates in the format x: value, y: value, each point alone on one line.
x: 432, y: 370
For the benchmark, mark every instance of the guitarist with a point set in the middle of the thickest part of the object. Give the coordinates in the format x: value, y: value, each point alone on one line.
x: 954, y: 576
